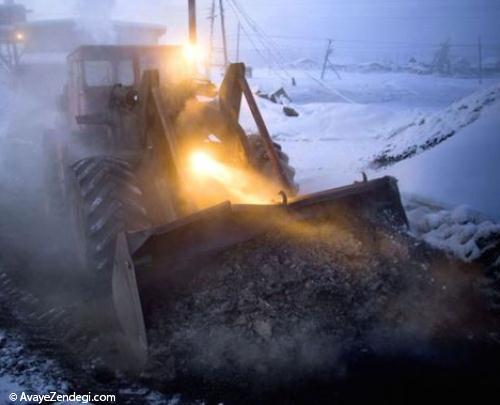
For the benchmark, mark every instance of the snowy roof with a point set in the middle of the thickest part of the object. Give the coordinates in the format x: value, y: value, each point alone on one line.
x: 161, y: 29
x: 60, y: 35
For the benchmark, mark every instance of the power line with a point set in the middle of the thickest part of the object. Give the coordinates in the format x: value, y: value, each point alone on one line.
x: 271, y: 60
x: 363, y: 41
x: 262, y: 38
x: 256, y: 28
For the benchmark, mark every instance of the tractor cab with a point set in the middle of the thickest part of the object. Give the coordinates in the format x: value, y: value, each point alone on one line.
x: 98, y: 73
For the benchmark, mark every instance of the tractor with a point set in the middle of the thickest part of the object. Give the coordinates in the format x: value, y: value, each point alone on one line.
x: 157, y: 175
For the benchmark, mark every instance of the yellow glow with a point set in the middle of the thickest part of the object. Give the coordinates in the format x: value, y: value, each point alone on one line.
x: 204, y: 165
x: 193, y: 53
x: 19, y: 36
x: 240, y: 186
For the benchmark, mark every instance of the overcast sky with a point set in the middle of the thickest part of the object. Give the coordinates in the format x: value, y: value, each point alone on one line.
x: 380, y: 25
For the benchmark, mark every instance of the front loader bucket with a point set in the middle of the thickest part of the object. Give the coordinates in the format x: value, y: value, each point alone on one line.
x: 151, y: 264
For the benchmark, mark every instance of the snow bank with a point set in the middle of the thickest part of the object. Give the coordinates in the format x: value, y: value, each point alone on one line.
x: 428, y: 132
x: 462, y: 231
x: 462, y: 170
x: 305, y: 63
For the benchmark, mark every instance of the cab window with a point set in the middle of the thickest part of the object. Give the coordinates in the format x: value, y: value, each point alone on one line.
x: 98, y: 73
x: 125, y: 72
x: 106, y: 73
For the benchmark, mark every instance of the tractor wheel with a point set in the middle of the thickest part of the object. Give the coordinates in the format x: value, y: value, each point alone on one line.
x: 108, y: 202
x: 263, y: 161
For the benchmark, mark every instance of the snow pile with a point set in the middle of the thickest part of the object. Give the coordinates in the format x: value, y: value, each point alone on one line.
x: 416, y: 67
x: 370, y: 67
x: 491, y: 64
x: 463, y: 232
x: 462, y: 170
x: 426, y: 133
x: 304, y: 63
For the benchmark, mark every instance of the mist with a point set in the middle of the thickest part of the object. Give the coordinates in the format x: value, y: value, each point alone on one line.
x: 361, y: 29
x: 303, y: 303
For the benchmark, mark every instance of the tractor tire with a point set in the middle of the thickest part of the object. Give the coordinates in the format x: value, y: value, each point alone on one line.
x: 108, y: 202
x: 258, y: 149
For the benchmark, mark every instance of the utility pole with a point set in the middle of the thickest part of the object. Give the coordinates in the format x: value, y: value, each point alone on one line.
x: 327, y: 62
x: 238, y: 38
x: 223, y: 29
x: 480, y: 60
x: 192, y: 22
x: 211, y: 39
x: 327, y: 57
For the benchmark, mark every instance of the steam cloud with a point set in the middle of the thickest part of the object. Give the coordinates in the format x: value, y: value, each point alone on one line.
x: 95, y: 19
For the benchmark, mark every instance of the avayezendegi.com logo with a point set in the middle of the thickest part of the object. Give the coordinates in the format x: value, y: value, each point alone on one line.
x: 25, y: 397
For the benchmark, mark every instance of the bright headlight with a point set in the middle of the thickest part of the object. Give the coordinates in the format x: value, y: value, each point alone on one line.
x: 193, y: 53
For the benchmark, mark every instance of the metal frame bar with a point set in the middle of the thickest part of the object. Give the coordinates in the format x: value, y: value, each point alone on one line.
x: 264, y: 133
x: 233, y: 88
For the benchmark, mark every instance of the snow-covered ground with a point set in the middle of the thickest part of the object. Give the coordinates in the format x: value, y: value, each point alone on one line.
x: 333, y: 140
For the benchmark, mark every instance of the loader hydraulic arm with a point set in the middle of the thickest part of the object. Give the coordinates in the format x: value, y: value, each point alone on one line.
x: 233, y: 88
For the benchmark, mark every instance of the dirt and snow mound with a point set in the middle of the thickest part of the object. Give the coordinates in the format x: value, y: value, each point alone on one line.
x: 302, y: 301
x: 427, y: 132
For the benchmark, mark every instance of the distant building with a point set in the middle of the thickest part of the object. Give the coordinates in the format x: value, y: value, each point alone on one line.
x: 49, y: 41
x: 11, y: 13
x: 11, y: 16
